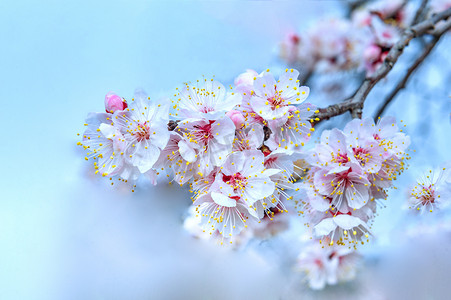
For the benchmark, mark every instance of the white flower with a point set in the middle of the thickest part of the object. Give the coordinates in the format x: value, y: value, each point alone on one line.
x: 211, y: 140
x: 272, y: 99
x: 293, y: 131
x: 180, y: 157
x: 249, y: 138
x: 342, y: 229
x: 106, y: 145
x: 432, y: 191
x: 207, y: 99
x: 145, y: 130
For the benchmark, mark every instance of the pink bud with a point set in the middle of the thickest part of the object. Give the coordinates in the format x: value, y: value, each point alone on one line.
x: 372, y: 53
x: 237, y: 118
x: 113, y: 103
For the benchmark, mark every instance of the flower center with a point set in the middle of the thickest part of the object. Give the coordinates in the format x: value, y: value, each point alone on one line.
x: 206, y: 109
x: 237, y: 181
x: 142, y: 131
x: 276, y: 101
x: 427, y: 195
x: 361, y: 155
x: 203, y: 133
x: 342, y: 158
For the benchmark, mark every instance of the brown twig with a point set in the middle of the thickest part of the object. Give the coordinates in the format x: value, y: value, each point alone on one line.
x: 355, y: 103
x: 402, y: 84
x: 421, y: 11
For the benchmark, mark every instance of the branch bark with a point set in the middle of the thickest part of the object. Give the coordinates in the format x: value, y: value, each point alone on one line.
x: 355, y: 103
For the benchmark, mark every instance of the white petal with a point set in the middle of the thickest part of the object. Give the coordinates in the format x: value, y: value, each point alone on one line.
x: 186, y: 151
x: 325, y: 227
x: 223, y: 200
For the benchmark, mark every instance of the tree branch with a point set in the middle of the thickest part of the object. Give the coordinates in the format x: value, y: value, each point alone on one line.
x: 402, y: 84
x: 355, y: 103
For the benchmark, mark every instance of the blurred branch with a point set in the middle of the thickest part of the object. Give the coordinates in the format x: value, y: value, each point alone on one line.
x: 355, y: 103
x: 353, y: 5
x: 421, y: 12
x: 402, y: 84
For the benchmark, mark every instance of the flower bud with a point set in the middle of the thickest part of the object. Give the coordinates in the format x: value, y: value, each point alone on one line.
x: 237, y: 118
x: 113, y: 103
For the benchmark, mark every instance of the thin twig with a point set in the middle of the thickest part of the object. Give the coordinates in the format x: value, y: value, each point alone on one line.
x: 420, y: 12
x: 402, y: 84
x: 355, y: 103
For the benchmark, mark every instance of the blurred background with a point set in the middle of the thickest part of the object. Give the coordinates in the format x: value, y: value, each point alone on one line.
x: 66, y: 235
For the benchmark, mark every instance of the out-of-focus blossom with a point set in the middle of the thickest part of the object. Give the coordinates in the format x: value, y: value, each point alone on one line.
x: 439, y: 5
x: 394, y: 12
x: 432, y: 191
x: 327, y: 265
x: 381, y: 39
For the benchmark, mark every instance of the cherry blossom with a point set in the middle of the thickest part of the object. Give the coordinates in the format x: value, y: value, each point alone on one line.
x: 144, y: 127
x: 327, y: 265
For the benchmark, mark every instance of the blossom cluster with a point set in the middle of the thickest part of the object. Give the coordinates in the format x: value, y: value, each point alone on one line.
x: 350, y: 171
x: 359, y: 43
x: 234, y: 147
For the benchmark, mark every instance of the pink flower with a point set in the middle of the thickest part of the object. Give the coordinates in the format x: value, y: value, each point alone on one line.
x: 114, y: 103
